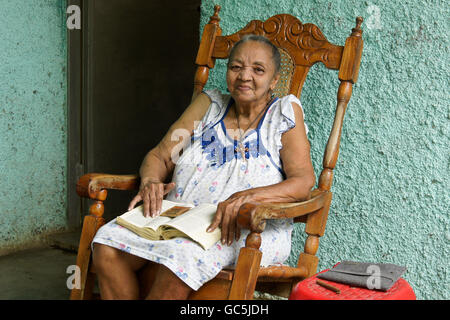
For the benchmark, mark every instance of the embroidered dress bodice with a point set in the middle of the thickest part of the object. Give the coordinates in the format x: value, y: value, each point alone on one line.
x: 211, y: 167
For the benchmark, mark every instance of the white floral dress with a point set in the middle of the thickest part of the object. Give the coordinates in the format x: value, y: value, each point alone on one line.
x: 210, y: 170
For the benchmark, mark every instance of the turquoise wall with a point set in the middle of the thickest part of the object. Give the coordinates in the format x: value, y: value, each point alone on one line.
x: 32, y: 120
x: 391, y: 199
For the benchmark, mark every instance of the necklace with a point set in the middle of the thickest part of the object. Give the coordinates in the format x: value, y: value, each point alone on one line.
x: 240, y: 147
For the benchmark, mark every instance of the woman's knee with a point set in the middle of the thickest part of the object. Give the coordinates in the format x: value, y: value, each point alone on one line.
x: 104, y: 256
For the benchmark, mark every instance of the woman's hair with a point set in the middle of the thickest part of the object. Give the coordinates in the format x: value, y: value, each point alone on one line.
x: 276, y: 57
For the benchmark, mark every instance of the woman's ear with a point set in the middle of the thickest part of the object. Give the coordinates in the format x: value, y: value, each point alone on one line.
x: 275, y: 81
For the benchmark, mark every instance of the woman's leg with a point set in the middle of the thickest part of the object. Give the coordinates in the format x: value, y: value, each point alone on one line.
x: 116, y: 272
x: 167, y: 286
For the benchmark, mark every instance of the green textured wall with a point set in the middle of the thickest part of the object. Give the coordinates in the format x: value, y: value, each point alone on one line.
x: 32, y: 120
x: 391, y: 199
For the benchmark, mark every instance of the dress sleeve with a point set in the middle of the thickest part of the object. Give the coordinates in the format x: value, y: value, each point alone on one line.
x: 287, y: 117
x: 215, y: 110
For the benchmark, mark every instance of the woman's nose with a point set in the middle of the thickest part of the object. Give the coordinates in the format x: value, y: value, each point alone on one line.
x: 245, y: 73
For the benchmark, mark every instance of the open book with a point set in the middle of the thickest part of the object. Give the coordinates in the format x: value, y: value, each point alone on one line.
x: 176, y: 220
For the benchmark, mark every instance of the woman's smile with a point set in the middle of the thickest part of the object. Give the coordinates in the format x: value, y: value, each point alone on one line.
x: 244, y: 88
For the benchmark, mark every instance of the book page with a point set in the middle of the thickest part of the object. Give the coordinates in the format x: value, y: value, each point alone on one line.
x: 194, y: 224
x: 137, y: 219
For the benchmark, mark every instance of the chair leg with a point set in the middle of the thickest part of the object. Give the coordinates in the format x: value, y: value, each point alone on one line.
x: 315, y: 228
x: 90, y: 226
x: 247, y: 268
x: 89, y: 286
x: 310, y: 262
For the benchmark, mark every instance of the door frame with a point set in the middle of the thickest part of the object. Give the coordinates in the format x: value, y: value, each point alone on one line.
x: 80, y: 114
x: 78, y: 80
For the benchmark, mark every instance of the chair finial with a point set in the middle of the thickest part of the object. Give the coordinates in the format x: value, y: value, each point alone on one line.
x: 215, y: 17
x: 356, y: 31
x: 359, y: 21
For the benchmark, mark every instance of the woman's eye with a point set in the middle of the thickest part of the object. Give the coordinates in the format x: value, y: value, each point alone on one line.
x: 259, y: 70
x: 235, y: 68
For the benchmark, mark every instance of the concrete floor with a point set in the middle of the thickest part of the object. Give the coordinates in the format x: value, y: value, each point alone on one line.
x: 39, y: 273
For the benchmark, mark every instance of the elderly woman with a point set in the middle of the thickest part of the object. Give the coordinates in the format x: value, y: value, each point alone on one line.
x: 243, y: 146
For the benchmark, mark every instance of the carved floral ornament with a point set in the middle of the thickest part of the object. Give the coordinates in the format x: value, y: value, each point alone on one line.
x: 305, y: 43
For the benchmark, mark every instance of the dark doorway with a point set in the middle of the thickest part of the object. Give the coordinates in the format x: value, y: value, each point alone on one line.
x: 131, y: 71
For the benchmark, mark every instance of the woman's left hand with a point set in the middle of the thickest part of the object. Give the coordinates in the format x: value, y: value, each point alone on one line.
x: 226, y: 216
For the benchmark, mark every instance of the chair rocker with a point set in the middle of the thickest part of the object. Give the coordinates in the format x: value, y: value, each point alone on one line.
x: 301, y: 46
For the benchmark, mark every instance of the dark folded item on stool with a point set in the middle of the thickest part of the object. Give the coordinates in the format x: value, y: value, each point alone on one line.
x: 379, y: 276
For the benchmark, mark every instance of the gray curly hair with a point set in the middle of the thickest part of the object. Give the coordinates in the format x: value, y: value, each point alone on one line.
x: 276, y: 57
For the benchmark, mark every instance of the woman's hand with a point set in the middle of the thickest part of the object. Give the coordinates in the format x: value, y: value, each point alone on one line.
x: 151, y: 193
x: 226, y: 216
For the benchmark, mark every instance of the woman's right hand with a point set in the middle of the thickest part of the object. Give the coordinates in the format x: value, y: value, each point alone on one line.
x: 151, y: 193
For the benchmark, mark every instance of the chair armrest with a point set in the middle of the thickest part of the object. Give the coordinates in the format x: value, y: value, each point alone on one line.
x: 91, y: 185
x: 253, y: 215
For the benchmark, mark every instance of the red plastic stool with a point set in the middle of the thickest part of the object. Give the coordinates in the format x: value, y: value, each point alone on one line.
x: 308, y: 289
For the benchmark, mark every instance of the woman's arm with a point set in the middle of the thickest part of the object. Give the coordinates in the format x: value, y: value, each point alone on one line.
x: 297, y: 165
x: 300, y: 178
x: 159, y: 162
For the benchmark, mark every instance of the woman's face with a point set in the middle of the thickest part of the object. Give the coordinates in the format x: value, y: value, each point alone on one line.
x: 251, y: 72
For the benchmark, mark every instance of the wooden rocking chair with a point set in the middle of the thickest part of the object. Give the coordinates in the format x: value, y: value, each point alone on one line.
x: 301, y: 46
